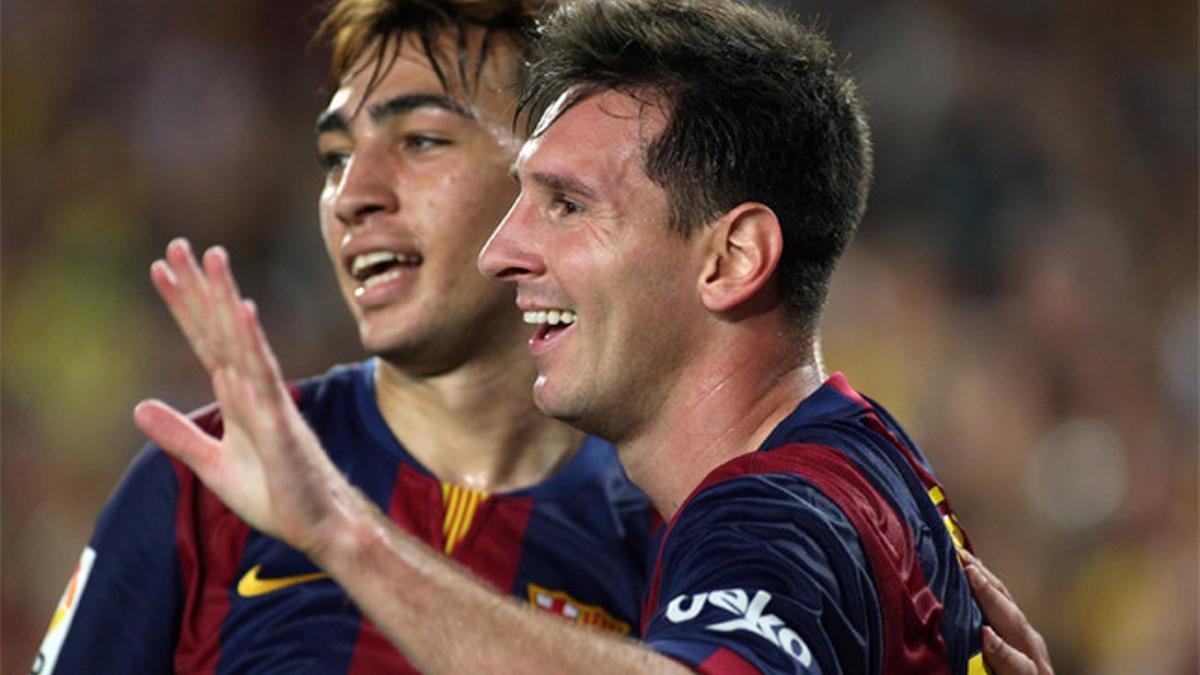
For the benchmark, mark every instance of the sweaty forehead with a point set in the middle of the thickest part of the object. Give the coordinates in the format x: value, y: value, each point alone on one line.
x: 608, y: 126
x: 646, y: 110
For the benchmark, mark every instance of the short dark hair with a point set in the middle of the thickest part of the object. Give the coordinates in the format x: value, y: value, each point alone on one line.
x: 757, y: 107
x: 356, y: 27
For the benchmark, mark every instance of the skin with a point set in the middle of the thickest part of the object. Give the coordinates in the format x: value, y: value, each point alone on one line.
x: 680, y: 396
x: 588, y: 205
x: 1021, y: 650
x: 413, y: 169
x: 271, y: 470
x: 309, y: 504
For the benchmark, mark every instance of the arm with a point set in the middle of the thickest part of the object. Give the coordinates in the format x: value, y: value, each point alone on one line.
x: 120, y: 610
x: 1011, y: 645
x: 270, y: 469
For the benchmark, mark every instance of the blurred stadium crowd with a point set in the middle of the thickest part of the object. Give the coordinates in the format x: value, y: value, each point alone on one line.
x: 1023, y: 292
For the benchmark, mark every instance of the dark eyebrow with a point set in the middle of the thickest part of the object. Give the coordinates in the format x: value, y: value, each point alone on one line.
x: 381, y: 111
x: 331, y: 121
x: 406, y: 103
x: 559, y: 183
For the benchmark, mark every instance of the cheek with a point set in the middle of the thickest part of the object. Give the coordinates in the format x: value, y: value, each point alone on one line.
x: 473, y: 204
x: 331, y: 229
x: 650, y: 291
x: 487, y: 179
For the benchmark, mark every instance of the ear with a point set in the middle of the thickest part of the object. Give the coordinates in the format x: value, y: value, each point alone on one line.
x: 744, y: 247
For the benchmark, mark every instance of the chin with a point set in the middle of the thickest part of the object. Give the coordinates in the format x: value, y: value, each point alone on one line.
x: 382, y: 334
x: 393, y: 348
x: 549, y: 402
x: 561, y: 407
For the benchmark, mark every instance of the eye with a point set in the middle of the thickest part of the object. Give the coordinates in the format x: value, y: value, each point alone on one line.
x: 561, y: 206
x: 422, y: 142
x: 333, y: 162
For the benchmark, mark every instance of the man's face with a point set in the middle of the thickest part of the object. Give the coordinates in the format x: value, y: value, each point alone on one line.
x: 415, y: 181
x: 589, y: 238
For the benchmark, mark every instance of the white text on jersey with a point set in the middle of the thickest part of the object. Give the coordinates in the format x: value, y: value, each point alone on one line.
x: 750, y: 618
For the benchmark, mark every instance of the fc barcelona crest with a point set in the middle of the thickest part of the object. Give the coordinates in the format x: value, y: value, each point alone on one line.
x: 590, y: 616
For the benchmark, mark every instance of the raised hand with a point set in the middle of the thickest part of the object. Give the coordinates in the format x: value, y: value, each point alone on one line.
x: 1011, y: 645
x: 269, y: 467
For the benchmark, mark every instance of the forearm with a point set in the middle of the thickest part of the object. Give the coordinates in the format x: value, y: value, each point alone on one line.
x: 445, y: 620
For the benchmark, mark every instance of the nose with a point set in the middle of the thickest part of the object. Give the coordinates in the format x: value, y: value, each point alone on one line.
x: 511, y: 253
x: 366, y: 188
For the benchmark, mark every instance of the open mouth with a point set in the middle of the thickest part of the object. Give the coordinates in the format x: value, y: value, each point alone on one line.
x: 379, y: 267
x: 549, y: 322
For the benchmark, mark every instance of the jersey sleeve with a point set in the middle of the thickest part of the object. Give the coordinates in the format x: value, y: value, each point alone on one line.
x: 121, y: 609
x: 763, y: 574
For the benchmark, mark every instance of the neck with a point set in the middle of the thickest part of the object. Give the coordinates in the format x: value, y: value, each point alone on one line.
x: 477, y: 425
x: 724, y: 407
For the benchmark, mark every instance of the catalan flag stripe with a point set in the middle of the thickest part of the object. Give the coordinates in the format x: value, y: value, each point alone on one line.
x: 460, y: 510
x: 468, y: 514
x: 461, y: 504
x: 451, y: 499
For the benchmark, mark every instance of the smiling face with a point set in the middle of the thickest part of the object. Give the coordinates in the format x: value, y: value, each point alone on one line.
x: 588, y: 239
x: 415, y: 181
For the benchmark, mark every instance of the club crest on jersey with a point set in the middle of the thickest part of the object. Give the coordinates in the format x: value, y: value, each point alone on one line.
x: 749, y: 614
x: 563, y: 605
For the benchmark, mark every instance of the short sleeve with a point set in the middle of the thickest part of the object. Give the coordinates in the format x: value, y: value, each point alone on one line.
x: 763, y: 573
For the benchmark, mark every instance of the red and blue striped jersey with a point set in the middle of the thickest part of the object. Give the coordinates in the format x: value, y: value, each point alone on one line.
x: 832, y: 549
x: 172, y: 581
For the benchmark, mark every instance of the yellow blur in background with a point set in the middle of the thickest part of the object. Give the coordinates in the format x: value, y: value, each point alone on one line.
x: 1022, y: 293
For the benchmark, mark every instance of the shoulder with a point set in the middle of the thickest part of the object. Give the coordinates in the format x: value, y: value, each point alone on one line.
x: 341, y: 383
x: 340, y: 388
x: 776, y: 513
x: 149, y: 488
x: 763, y: 564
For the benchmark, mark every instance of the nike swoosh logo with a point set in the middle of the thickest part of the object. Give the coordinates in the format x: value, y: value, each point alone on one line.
x: 251, y: 585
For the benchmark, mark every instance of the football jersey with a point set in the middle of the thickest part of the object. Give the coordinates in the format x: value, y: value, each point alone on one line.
x: 173, y: 581
x: 831, y: 549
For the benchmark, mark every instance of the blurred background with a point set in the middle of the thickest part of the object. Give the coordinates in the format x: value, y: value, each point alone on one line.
x: 1022, y: 294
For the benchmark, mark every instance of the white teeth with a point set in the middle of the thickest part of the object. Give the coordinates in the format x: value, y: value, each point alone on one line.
x: 366, y: 260
x: 376, y: 279
x: 553, y: 317
x: 381, y: 278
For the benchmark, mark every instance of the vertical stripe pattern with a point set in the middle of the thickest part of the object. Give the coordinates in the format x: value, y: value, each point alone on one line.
x: 461, y: 504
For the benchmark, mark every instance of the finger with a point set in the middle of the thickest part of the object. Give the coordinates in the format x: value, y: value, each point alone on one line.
x: 262, y: 364
x: 254, y: 393
x: 166, y: 284
x: 1002, y: 658
x: 179, y: 436
x: 1000, y: 610
x: 239, y: 408
x: 225, y: 299
x: 991, y: 577
x: 193, y: 289
x: 194, y: 307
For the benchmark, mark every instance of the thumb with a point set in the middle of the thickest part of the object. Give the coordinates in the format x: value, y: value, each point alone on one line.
x: 177, y: 434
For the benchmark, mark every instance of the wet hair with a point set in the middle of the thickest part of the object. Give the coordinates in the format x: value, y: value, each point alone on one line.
x: 356, y: 28
x: 757, y: 110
